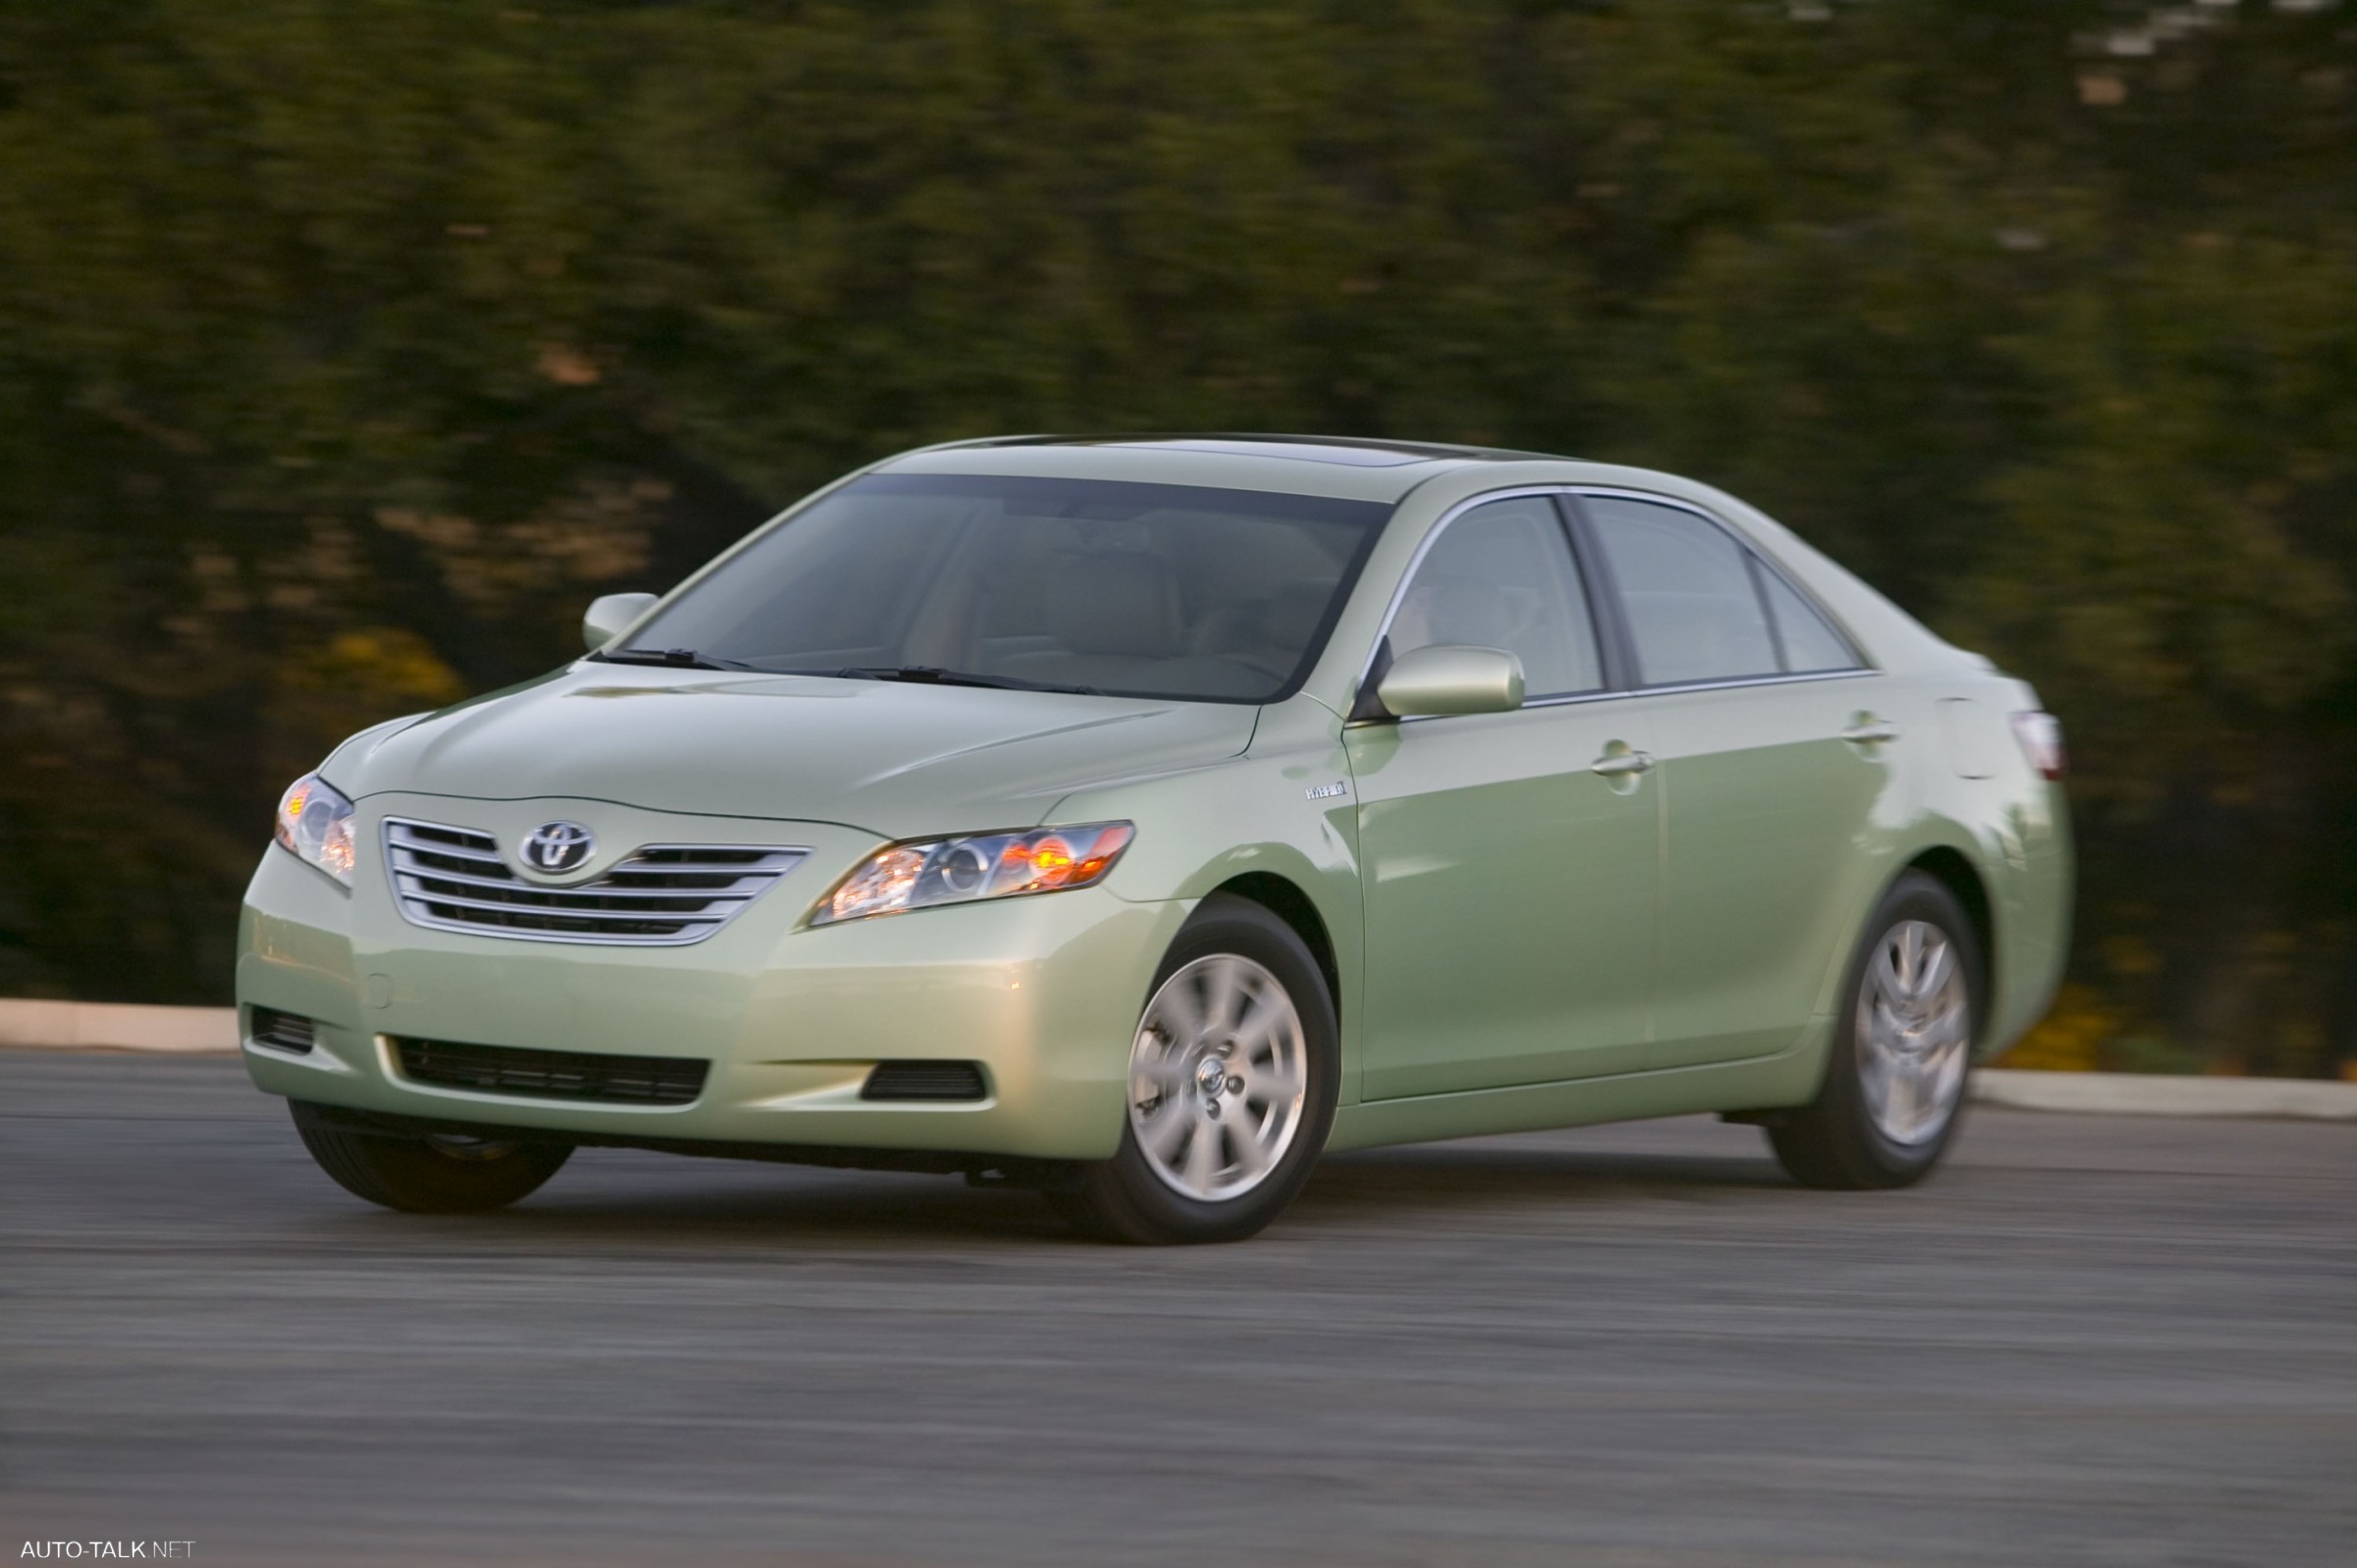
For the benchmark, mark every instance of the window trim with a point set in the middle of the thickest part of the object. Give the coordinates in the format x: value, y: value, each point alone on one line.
x: 1617, y: 647
x: 1622, y: 662
x: 1757, y: 575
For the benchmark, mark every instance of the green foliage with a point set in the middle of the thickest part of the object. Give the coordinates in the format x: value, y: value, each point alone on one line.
x: 346, y: 351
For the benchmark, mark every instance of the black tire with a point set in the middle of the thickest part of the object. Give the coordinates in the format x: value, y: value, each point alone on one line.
x: 428, y: 1176
x: 1836, y: 1141
x: 1123, y: 1199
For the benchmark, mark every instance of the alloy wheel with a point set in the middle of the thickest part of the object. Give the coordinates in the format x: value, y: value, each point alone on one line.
x: 1914, y: 1033
x: 1218, y: 1077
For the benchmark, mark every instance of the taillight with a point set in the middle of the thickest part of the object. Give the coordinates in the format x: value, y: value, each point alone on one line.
x: 2041, y: 737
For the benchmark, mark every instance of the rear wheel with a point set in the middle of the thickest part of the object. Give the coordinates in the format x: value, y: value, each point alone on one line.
x: 1232, y: 1087
x: 1894, y: 1094
x: 444, y: 1174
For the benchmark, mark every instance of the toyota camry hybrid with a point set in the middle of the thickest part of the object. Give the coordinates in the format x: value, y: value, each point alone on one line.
x: 1138, y: 818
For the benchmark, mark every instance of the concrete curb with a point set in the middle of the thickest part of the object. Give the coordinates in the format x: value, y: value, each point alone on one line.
x: 214, y: 1031
x: 2133, y: 1094
x: 118, y: 1026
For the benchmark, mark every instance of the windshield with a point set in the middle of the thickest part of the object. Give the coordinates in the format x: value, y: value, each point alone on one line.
x: 1076, y: 584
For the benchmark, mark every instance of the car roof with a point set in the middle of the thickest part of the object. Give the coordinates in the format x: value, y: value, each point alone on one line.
x: 1327, y: 465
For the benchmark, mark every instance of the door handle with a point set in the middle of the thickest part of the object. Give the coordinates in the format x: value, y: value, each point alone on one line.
x: 1870, y: 731
x: 1621, y: 764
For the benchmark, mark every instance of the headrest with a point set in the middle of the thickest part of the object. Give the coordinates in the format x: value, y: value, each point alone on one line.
x: 1293, y: 610
x: 1456, y: 609
x: 1114, y: 602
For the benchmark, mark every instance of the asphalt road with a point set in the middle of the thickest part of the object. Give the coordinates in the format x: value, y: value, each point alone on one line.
x: 2088, y: 1340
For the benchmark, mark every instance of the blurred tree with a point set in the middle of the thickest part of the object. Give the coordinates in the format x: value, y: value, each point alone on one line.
x: 346, y: 351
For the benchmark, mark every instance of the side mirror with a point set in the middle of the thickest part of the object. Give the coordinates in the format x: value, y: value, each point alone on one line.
x: 610, y: 615
x: 1449, y: 677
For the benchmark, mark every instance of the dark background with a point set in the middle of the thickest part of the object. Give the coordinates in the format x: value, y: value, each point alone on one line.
x: 346, y: 351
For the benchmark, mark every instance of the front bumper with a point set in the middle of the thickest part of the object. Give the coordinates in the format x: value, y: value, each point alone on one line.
x: 1042, y: 992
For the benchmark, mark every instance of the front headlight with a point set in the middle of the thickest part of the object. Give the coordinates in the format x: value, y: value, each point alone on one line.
x: 314, y: 821
x: 990, y: 865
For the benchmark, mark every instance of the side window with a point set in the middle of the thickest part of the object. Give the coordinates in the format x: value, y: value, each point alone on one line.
x: 1810, y: 645
x: 1502, y: 576
x: 1686, y: 587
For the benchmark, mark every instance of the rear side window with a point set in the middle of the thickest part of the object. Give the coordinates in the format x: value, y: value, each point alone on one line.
x: 1686, y: 589
x: 1502, y: 576
x: 1810, y: 645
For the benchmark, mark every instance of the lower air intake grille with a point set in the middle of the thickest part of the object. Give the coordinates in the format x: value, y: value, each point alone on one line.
x: 660, y: 896
x: 553, y: 1074
x: 284, y: 1031
x: 925, y: 1080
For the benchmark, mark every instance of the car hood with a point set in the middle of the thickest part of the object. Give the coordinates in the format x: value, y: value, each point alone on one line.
x: 895, y: 759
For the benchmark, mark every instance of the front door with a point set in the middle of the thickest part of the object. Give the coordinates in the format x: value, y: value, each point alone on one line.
x: 1510, y: 885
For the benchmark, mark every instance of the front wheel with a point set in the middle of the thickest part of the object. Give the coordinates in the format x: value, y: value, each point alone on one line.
x: 1894, y: 1085
x: 437, y: 1175
x: 1232, y: 1075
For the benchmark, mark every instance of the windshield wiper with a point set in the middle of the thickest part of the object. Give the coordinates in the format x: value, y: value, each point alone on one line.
x: 674, y: 657
x: 935, y: 675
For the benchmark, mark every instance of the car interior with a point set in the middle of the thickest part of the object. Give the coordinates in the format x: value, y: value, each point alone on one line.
x: 1161, y: 603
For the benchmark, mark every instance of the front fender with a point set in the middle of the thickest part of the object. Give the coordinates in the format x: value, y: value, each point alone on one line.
x: 1286, y: 808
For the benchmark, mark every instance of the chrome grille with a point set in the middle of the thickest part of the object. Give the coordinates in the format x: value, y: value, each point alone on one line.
x: 662, y: 895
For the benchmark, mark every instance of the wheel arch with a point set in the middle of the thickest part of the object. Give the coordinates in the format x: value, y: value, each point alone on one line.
x: 1291, y: 904
x: 1953, y: 870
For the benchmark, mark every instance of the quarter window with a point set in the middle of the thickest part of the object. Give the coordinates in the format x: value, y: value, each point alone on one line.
x: 1502, y: 576
x: 1810, y: 645
x: 1693, y: 611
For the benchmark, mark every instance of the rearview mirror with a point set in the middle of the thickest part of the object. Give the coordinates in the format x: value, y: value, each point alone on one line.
x: 1449, y: 677
x: 610, y: 615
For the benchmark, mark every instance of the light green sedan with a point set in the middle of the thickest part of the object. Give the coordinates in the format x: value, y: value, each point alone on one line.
x: 1136, y: 818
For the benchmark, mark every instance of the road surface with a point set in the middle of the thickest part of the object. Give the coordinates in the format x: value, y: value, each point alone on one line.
x: 2087, y: 1340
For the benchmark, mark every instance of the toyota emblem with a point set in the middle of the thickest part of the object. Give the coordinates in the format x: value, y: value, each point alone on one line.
x: 556, y: 848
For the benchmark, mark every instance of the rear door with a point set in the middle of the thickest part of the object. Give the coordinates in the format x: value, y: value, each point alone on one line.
x: 1772, y: 760
x: 1509, y: 887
